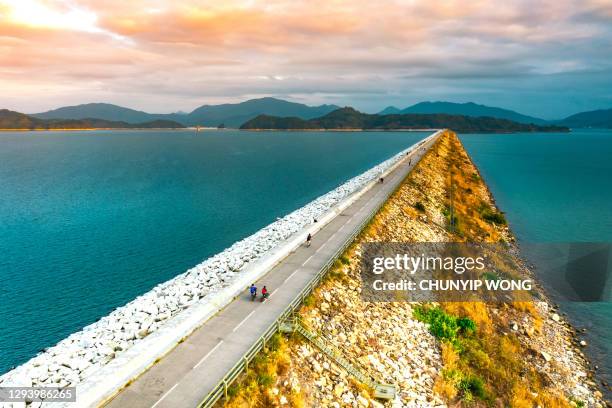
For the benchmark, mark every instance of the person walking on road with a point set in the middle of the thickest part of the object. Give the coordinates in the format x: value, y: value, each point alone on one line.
x: 308, y: 239
x: 253, y: 290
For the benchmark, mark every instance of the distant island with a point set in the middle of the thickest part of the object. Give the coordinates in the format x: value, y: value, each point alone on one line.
x: 465, y: 109
x: 349, y: 118
x: 601, y: 118
x: 11, y: 120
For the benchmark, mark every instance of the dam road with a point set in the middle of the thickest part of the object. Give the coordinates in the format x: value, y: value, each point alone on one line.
x: 194, y: 368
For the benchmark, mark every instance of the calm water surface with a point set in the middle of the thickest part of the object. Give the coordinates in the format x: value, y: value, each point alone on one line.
x: 90, y: 220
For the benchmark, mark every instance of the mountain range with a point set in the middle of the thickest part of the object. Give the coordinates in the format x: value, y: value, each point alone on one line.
x: 15, y: 120
x: 235, y: 115
x: 230, y: 114
x: 349, y: 118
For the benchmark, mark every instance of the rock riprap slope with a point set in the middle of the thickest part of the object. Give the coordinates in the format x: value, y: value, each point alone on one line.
x: 520, y: 355
x: 75, y: 358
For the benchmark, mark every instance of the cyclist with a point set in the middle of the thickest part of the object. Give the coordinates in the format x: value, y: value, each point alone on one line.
x: 264, y: 294
x: 253, y: 290
x: 308, y: 239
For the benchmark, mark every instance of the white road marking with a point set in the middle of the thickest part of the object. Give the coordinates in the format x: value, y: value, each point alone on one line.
x: 330, y: 238
x: 208, y: 354
x: 243, y: 320
x: 294, y: 272
x: 305, y: 262
x: 164, y: 396
x: 273, y: 292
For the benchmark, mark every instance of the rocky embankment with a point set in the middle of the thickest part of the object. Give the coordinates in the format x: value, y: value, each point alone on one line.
x: 521, y: 355
x: 75, y: 358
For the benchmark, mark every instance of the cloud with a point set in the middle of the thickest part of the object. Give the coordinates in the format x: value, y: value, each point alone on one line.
x: 150, y: 53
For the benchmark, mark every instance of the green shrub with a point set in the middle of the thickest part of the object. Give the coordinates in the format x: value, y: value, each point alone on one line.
x: 443, y: 325
x: 490, y: 276
x: 472, y: 386
x: 466, y: 324
x: 580, y: 403
x: 309, y: 301
x: 233, y: 390
x: 274, y: 343
x: 495, y: 217
x: 265, y: 380
x: 489, y: 214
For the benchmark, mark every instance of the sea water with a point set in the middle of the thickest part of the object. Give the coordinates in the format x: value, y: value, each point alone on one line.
x: 556, y: 187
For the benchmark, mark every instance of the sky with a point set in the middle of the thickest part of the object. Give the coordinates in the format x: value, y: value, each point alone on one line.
x: 548, y: 58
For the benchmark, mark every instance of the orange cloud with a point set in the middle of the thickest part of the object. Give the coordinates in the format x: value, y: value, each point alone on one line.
x: 193, y: 49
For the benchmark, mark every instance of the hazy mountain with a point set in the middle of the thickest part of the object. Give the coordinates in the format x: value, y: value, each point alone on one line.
x: 601, y: 118
x: 232, y: 114
x: 349, y: 118
x: 467, y: 109
x: 390, y: 110
x: 235, y: 114
x: 15, y: 120
x: 104, y: 111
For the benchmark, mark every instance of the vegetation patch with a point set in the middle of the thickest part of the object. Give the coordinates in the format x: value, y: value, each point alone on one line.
x: 253, y: 388
x: 491, y: 215
x: 444, y: 326
x: 419, y: 206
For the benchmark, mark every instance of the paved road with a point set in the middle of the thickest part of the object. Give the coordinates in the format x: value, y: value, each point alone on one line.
x: 192, y: 369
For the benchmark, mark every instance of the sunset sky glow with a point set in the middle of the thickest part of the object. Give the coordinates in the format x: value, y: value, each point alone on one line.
x: 546, y: 58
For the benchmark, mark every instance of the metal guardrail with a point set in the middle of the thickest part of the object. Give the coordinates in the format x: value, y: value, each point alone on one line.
x: 221, y: 388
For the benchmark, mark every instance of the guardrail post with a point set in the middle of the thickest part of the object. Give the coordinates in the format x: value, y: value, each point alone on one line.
x: 246, y: 364
x: 225, y: 389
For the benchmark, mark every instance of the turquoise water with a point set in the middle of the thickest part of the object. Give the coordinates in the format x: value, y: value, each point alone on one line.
x: 556, y: 188
x: 90, y: 220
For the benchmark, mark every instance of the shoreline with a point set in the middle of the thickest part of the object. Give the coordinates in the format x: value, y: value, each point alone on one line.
x: 84, y: 354
x: 340, y: 130
x: 85, y: 129
x: 398, y: 130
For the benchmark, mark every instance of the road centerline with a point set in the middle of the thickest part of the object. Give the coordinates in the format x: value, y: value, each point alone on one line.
x: 164, y: 396
x: 306, y: 261
x: 243, y: 320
